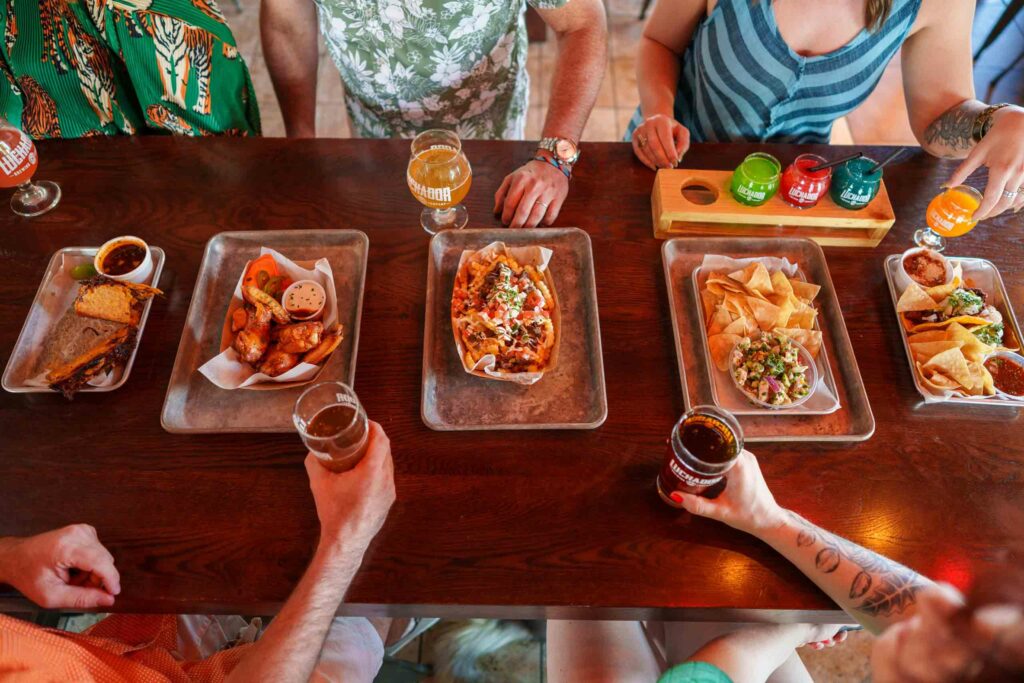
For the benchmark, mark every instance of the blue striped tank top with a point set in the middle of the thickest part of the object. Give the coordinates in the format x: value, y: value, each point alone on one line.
x: 740, y: 81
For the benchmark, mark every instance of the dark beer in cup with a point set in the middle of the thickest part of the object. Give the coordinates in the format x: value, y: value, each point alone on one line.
x: 703, y: 445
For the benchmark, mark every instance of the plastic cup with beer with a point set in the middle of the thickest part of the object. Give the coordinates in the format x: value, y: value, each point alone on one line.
x: 703, y: 446
x: 756, y: 180
x: 856, y: 183
x: 439, y: 176
x: 18, y: 162
x: 950, y: 214
x: 333, y: 425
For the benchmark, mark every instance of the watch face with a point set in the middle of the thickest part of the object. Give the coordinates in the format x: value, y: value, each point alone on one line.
x: 565, y: 149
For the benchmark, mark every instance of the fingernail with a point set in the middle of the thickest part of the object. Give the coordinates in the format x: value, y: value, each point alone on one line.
x: 676, y: 496
x: 998, y: 616
x: 106, y: 600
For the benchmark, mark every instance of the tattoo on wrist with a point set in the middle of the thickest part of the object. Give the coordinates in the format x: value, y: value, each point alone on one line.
x: 953, y: 129
x: 881, y: 587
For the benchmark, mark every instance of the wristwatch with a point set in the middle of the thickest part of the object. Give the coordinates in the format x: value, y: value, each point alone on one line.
x: 983, y: 121
x: 562, y: 149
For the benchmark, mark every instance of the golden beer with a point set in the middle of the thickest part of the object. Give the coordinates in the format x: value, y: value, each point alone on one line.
x: 439, y: 177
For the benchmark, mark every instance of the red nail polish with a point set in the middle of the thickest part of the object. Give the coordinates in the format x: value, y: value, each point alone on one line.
x: 676, y: 496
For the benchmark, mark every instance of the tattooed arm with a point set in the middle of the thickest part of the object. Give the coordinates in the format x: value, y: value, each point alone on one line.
x: 939, y: 85
x: 872, y: 589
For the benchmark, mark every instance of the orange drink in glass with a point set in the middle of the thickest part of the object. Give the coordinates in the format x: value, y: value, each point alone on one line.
x: 950, y: 214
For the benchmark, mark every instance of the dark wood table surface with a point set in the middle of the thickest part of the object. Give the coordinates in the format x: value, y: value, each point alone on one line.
x: 516, y: 524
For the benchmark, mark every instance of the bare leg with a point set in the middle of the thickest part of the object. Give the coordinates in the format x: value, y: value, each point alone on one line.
x: 791, y: 671
x: 599, y: 652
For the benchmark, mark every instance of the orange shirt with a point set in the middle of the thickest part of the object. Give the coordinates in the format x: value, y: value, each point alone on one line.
x: 122, y: 647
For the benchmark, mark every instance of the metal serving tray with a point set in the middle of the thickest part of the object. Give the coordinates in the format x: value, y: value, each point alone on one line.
x: 999, y: 299
x: 569, y: 396
x: 56, y: 292
x: 853, y: 421
x: 720, y: 381
x: 194, y: 404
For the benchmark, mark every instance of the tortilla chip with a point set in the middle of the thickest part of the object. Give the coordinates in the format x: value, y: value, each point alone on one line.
x: 721, y: 346
x: 737, y: 303
x: 803, y: 317
x: 927, y: 336
x: 740, y: 326
x: 780, y: 284
x: 710, y: 301
x: 766, y: 314
x: 809, y: 339
x: 973, y: 348
x: 941, y: 291
x: 962, y: 320
x: 719, y: 321
x: 755, y: 277
x: 952, y: 364
x: 924, y: 351
x: 785, y: 311
x: 805, y: 290
x: 914, y: 298
x: 936, y: 381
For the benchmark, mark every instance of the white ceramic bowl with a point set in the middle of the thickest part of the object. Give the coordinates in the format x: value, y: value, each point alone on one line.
x: 903, y: 280
x: 317, y: 286
x: 1015, y: 357
x: 811, y: 374
x: 141, y: 273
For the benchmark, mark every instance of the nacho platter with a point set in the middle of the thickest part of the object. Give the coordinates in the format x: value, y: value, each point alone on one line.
x: 56, y: 292
x: 972, y: 268
x: 852, y: 422
x: 570, y: 395
x: 729, y: 397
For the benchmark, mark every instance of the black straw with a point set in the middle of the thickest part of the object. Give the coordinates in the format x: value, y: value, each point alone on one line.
x: 830, y: 164
x: 884, y: 161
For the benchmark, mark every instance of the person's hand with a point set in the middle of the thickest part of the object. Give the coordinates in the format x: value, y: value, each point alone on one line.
x: 660, y: 142
x: 353, y: 505
x: 531, y: 195
x: 65, y: 568
x: 745, y: 504
x: 820, y: 636
x: 1002, y: 151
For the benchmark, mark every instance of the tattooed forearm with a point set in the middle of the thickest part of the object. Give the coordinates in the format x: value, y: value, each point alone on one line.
x: 950, y: 134
x: 879, y: 587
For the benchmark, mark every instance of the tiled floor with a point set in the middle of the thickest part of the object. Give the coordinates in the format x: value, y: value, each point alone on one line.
x: 881, y: 119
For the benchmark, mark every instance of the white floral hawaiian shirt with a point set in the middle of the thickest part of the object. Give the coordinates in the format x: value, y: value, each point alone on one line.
x: 411, y: 65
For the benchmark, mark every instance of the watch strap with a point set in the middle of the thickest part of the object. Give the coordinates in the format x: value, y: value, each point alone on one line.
x: 556, y: 163
x: 983, y: 121
x: 551, y: 145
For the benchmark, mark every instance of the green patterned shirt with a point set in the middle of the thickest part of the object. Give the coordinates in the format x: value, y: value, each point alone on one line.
x: 411, y: 65
x: 74, y: 68
x: 695, y: 672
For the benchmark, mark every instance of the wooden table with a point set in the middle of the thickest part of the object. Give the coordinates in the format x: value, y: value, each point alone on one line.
x: 511, y: 524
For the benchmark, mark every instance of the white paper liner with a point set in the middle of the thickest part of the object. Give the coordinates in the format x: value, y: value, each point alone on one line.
x: 538, y: 257
x: 228, y: 371
x: 979, y: 278
x: 822, y: 399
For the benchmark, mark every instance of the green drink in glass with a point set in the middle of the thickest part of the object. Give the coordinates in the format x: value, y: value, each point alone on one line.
x: 852, y: 186
x: 756, y: 180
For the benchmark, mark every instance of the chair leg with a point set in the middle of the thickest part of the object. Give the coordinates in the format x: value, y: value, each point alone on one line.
x: 1001, y: 75
x: 421, y: 626
x: 1007, y: 17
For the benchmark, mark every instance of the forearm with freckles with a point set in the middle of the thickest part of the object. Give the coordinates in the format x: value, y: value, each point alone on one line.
x: 949, y: 135
x: 873, y: 589
x: 577, y: 80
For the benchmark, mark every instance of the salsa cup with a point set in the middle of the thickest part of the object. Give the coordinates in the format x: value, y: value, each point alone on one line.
x: 1012, y: 357
x: 903, y: 279
x: 140, y: 274
x: 805, y: 358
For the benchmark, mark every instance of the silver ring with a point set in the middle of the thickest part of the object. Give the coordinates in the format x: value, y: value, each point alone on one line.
x: 641, y: 140
x: 1008, y: 194
x: 543, y: 204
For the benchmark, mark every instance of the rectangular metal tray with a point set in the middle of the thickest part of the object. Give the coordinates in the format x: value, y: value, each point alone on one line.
x: 999, y: 299
x: 194, y: 404
x: 714, y: 374
x: 57, y: 282
x: 569, y: 396
x: 853, y: 421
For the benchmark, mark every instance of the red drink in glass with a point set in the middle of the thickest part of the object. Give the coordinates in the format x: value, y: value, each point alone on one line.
x: 802, y: 187
x: 703, y: 446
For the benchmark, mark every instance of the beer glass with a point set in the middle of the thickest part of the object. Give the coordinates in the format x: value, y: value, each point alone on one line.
x: 950, y: 214
x: 703, y: 446
x: 333, y: 425
x: 18, y: 162
x: 439, y: 177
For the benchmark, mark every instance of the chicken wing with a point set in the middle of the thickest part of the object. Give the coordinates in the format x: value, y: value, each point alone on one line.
x: 298, y: 338
x: 330, y: 341
x: 278, y: 362
x: 252, y: 342
x: 257, y: 296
